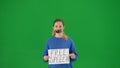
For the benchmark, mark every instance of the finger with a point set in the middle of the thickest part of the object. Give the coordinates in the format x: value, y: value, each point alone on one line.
x: 69, y: 54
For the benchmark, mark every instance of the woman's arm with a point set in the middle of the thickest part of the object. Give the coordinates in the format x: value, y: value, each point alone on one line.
x: 45, y: 53
x: 73, y: 53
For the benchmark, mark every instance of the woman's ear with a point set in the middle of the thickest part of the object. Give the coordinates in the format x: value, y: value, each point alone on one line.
x: 53, y: 27
x: 63, y: 27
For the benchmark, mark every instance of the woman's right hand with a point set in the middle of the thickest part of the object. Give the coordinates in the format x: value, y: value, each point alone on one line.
x: 46, y: 58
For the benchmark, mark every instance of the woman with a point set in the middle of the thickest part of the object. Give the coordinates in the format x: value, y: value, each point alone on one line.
x: 59, y: 40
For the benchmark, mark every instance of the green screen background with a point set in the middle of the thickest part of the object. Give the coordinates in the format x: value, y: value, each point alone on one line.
x: 25, y: 26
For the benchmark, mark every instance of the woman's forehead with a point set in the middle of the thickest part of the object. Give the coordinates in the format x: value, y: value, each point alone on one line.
x: 58, y: 23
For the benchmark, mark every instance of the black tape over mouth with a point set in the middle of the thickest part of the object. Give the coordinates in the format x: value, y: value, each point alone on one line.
x: 58, y: 31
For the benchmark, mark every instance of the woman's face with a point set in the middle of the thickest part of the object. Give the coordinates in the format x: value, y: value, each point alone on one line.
x: 58, y: 26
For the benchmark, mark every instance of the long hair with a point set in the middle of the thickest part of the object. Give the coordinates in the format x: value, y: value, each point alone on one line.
x: 53, y: 33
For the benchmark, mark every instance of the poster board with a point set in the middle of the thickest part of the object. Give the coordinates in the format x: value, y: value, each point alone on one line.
x: 58, y: 56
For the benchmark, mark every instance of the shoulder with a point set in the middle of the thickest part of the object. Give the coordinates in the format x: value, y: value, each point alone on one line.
x: 70, y: 39
x: 49, y: 39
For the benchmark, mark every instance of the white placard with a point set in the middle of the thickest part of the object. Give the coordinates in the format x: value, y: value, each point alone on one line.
x: 58, y: 56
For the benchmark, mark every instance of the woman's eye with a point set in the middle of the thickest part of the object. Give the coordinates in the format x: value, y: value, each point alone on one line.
x: 60, y: 26
x: 56, y: 26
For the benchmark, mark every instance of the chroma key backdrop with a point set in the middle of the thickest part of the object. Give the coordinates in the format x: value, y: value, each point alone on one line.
x: 94, y: 26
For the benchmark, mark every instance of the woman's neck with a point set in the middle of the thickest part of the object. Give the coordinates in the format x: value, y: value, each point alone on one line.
x: 59, y: 35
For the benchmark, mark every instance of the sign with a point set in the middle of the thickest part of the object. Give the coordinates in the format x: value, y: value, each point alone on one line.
x: 58, y: 56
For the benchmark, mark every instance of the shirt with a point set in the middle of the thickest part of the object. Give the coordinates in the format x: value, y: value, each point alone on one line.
x: 60, y: 43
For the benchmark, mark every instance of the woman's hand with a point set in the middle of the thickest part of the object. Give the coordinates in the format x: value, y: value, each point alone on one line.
x: 72, y: 55
x: 46, y: 58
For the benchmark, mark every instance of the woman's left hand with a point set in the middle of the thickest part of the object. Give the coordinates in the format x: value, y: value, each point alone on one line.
x: 72, y: 55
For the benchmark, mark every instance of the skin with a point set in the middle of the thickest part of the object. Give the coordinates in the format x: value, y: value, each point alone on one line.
x: 59, y: 25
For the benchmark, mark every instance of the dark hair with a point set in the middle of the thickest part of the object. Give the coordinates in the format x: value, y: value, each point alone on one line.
x: 56, y: 20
